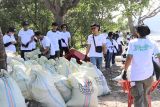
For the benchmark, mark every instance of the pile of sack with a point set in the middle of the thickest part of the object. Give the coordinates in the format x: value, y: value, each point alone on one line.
x: 55, y: 83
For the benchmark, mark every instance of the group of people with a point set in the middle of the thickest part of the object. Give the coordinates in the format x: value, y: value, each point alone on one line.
x: 140, y: 53
x: 53, y: 45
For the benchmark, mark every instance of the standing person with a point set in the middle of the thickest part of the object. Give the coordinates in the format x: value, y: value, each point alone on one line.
x: 65, y: 40
x: 45, y: 44
x: 9, y: 40
x: 109, y: 44
x: 54, y: 36
x: 105, y: 34
x: 139, y: 56
x: 120, y: 44
x: 26, y: 39
x: 96, y: 46
x: 115, y: 50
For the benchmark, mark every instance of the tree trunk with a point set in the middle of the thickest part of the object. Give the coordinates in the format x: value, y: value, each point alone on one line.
x: 3, y: 56
x: 130, y: 24
x: 59, y: 19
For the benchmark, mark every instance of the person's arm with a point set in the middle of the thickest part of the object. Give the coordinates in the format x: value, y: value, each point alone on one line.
x: 104, y: 47
x: 46, y: 51
x: 128, y: 62
x: 88, y: 48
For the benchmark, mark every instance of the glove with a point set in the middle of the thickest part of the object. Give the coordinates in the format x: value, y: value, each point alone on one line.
x: 124, y: 76
x: 63, y: 40
x: 39, y: 55
x: 27, y: 44
x: 85, y: 58
x: 23, y: 45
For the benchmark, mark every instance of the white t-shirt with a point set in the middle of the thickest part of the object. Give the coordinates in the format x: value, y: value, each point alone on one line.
x: 7, y: 39
x: 142, y: 51
x: 99, y: 40
x: 45, y: 42
x: 26, y: 37
x: 54, y: 37
x: 119, y: 40
x: 66, y: 36
x: 115, y: 45
x: 105, y: 35
x: 109, y: 45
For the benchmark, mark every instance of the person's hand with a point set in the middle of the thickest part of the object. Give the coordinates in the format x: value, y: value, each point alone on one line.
x: 124, y: 76
x: 39, y: 55
x: 27, y: 44
x: 85, y: 58
x: 23, y: 45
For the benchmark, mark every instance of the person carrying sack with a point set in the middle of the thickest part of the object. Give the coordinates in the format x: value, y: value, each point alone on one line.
x: 96, y: 47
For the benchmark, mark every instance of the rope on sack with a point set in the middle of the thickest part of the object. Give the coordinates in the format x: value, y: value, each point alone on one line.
x: 50, y: 92
x: 8, y: 93
x: 87, y: 95
x: 9, y: 85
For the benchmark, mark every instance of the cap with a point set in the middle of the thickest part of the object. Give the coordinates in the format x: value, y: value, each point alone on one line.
x: 25, y: 23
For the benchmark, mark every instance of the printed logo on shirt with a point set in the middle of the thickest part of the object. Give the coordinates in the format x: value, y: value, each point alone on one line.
x: 141, y: 48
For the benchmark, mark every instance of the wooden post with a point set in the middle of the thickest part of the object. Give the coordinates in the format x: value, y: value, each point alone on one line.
x: 3, y: 56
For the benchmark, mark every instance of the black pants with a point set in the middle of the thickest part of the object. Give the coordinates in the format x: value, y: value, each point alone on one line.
x: 63, y: 49
x: 113, y: 58
x: 24, y: 51
x: 57, y: 55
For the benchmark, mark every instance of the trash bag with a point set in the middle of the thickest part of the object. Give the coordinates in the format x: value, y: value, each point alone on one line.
x: 84, y: 91
x: 10, y: 95
x: 43, y: 88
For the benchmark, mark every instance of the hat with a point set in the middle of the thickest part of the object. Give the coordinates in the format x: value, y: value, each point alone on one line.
x: 25, y: 23
x: 54, y: 24
x: 11, y: 29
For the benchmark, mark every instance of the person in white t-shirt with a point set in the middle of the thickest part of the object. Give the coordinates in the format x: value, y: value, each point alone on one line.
x: 65, y: 40
x: 55, y: 37
x: 120, y: 44
x: 9, y: 40
x: 96, y: 46
x: 110, y: 49
x: 105, y: 34
x: 45, y: 44
x: 115, y: 50
x: 139, y: 56
x: 26, y: 39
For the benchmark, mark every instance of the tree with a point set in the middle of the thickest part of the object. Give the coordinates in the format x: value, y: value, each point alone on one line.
x: 59, y: 8
x: 3, y: 56
x: 153, y: 10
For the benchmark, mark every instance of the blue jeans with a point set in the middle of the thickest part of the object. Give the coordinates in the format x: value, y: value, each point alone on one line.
x: 96, y: 61
x: 108, y: 59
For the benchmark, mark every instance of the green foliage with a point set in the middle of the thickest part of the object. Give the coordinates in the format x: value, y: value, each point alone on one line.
x: 79, y: 19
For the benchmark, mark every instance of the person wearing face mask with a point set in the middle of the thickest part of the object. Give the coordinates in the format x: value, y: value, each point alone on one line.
x: 26, y: 39
x: 96, y: 46
x: 9, y: 40
x: 45, y: 44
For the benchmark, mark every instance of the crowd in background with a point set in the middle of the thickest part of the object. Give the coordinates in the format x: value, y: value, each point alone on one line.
x: 53, y: 45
